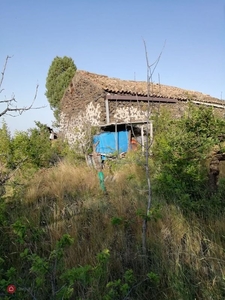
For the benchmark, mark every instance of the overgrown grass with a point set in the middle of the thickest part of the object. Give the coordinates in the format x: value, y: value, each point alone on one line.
x: 185, y: 255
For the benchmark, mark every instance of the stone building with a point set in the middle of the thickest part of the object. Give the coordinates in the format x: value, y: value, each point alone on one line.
x: 93, y: 100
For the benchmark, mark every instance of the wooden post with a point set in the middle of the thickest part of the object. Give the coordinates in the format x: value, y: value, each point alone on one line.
x: 116, y: 139
x: 107, y: 110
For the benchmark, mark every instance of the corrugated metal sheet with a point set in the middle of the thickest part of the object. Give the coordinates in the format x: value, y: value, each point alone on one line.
x: 111, y: 142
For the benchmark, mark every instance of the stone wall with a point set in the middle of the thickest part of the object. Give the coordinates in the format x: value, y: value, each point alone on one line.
x: 126, y: 111
x: 130, y: 111
x: 83, y: 106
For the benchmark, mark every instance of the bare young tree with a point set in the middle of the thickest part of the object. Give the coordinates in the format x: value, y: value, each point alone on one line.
x: 10, y: 108
x: 150, y: 71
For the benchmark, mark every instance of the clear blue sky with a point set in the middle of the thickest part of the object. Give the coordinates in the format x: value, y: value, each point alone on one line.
x: 105, y: 37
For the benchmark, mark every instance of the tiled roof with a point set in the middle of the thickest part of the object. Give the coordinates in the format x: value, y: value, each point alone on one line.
x: 118, y: 86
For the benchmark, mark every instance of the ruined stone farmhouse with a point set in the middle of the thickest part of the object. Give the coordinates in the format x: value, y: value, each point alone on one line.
x: 97, y: 100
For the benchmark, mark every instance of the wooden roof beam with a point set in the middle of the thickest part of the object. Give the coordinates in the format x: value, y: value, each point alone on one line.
x: 139, y: 98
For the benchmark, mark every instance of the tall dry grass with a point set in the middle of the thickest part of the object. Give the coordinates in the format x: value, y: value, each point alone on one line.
x: 193, y: 262
x: 186, y: 254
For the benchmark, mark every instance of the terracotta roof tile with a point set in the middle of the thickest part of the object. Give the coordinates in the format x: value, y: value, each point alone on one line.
x: 115, y: 85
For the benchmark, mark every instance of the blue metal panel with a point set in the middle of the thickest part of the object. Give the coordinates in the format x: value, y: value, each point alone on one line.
x: 108, y: 142
x: 123, y: 142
